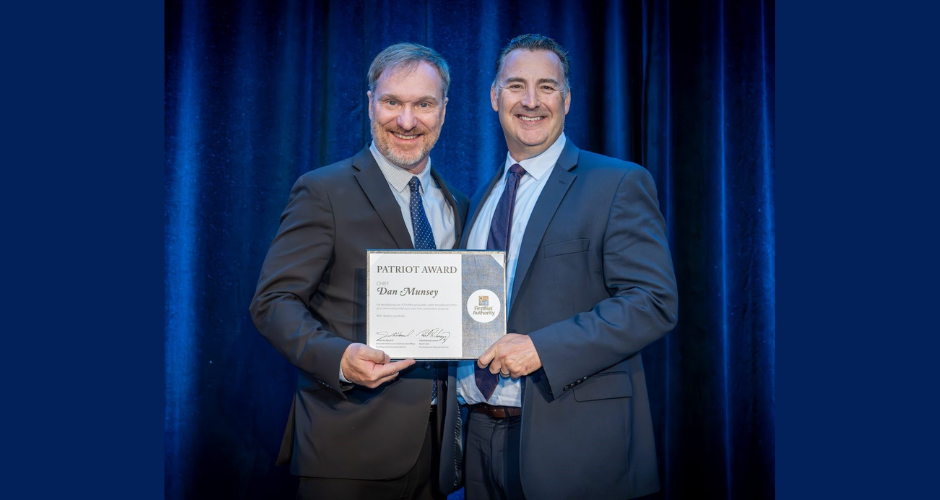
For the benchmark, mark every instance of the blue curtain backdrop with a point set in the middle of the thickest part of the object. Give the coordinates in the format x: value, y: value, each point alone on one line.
x: 259, y: 92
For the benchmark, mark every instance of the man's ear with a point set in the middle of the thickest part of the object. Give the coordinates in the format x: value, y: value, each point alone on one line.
x: 493, y: 98
x: 567, y: 100
x: 369, y: 96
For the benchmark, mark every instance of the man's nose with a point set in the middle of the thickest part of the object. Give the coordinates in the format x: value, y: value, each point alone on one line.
x: 407, y: 119
x: 530, y: 98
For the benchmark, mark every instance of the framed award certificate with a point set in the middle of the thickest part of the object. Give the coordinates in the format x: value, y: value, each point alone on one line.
x: 435, y: 304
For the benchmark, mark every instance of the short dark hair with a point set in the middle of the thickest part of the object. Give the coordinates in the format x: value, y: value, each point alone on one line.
x: 533, y: 42
x: 408, y: 55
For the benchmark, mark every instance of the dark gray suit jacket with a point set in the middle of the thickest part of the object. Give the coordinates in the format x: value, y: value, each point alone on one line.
x: 310, y: 304
x: 594, y: 286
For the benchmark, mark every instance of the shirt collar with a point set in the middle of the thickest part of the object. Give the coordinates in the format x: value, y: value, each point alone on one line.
x: 539, y: 165
x: 397, y: 176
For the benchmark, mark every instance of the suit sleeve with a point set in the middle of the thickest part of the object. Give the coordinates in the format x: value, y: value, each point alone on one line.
x: 638, y: 273
x: 302, y: 251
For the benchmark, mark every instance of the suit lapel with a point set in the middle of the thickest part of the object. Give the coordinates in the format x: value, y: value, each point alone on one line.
x: 374, y: 185
x: 452, y: 201
x: 477, y: 203
x: 554, y: 191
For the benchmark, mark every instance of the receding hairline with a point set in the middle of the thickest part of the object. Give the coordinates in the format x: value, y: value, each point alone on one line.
x: 408, y: 56
x: 561, y: 66
x: 411, y: 67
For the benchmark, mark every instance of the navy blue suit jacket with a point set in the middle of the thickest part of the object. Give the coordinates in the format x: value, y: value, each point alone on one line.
x: 594, y: 286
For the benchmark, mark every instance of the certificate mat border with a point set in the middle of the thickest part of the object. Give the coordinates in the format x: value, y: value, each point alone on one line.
x: 371, y: 251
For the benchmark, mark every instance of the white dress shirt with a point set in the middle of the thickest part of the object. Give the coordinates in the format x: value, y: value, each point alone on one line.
x: 537, y: 171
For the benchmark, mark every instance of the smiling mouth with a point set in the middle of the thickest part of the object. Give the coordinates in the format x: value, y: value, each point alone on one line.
x: 405, y: 137
x: 530, y: 118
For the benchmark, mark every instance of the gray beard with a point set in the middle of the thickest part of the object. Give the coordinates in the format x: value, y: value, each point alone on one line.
x: 400, y: 161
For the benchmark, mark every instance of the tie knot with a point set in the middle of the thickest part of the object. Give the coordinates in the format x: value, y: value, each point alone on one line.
x: 517, y: 169
x: 415, y: 184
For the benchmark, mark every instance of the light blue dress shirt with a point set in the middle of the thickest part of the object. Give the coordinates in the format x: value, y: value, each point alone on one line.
x: 538, y: 169
x: 439, y: 212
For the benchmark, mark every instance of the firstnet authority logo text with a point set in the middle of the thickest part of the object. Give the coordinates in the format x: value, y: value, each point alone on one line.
x: 483, y: 306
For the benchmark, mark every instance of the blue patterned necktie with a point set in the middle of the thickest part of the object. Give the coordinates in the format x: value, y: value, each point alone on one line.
x: 424, y: 237
x: 500, y: 230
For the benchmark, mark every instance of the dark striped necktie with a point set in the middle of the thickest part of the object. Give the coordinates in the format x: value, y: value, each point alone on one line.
x: 500, y: 230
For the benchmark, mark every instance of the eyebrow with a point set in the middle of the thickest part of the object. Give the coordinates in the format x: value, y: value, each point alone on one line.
x: 420, y: 99
x: 540, y: 80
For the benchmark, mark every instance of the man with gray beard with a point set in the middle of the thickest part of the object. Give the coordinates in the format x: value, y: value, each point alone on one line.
x: 360, y: 425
